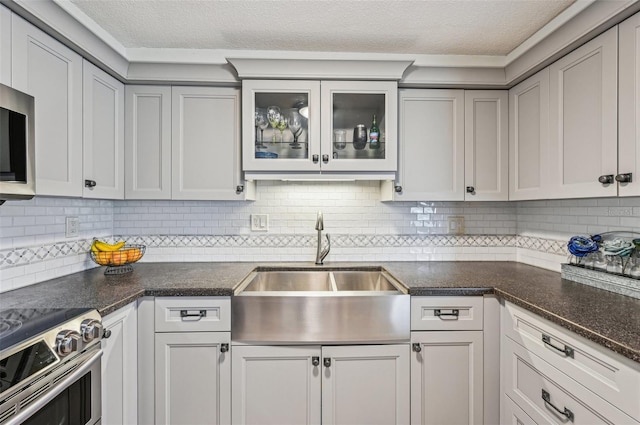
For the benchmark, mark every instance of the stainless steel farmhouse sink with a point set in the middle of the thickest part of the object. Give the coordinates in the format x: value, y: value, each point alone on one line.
x: 328, y: 305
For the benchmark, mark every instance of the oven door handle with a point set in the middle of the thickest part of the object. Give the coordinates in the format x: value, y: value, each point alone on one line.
x: 25, y: 414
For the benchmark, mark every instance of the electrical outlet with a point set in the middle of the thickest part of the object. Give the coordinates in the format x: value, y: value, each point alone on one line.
x: 72, y: 227
x: 259, y: 222
x: 456, y: 225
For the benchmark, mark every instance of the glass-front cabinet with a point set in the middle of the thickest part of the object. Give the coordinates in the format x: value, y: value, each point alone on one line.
x: 314, y: 127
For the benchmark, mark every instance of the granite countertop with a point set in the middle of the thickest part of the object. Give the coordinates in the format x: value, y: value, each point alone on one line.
x: 606, y: 318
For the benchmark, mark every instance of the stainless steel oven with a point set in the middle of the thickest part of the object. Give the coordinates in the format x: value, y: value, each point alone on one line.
x: 17, y: 144
x: 50, y: 377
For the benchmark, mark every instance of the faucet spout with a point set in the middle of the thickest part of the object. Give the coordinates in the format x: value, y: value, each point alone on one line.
x: 321, y: 253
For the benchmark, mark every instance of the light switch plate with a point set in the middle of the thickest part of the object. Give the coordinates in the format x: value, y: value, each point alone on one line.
x: 72, y: 227
x: 259, y: 222
x: 456, y: 225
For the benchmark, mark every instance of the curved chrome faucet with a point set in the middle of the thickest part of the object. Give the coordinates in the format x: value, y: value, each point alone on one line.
x: 321, y: 253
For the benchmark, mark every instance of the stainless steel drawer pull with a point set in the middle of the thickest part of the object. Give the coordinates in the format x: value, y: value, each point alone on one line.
x: 565, y: 412
x: 199, y: 315
x: 454, y: 313
x: 315, y: 361
x: 327, y: 362
x: 568, y: 351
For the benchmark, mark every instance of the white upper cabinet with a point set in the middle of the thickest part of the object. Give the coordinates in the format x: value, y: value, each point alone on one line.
x: 348, y: 109
x: 629, y: 106
x: 431, y: 146
x: 486, y: 145
x: 314, y: 127
x: 206, y: 144
x: 5, y: 46
x: 148, y: 142
x: 103, y: 130
x: 583, y: 120
x: 529, y: 138
x: 52, y: 73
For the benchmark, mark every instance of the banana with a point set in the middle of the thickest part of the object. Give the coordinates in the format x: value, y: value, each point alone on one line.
x: 103, y: 246
x: 94, y: 249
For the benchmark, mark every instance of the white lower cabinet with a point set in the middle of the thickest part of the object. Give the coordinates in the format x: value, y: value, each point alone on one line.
x: 447, y: 377
x: 554, y: 376
x: 193, y: 378
x: 119, y: 383
x: 349, y: 385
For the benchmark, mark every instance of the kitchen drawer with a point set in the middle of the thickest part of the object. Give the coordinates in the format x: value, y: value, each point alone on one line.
x: 512, y: 414
x: 611, y: 376
x: 193, y: 314
x: 526, y: 376
x: 446, y: 313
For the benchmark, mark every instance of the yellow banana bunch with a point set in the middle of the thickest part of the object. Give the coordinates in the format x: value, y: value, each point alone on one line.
x: 97, y: 246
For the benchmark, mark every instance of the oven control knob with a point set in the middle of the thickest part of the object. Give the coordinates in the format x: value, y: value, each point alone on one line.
x: 67, y: 342
x: 90, y: 329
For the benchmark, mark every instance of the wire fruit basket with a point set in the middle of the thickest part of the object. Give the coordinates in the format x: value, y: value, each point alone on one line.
x: 118, y: 262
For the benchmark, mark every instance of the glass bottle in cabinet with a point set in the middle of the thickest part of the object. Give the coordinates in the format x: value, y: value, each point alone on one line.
x: 281, y: 125
x: 349, y: 109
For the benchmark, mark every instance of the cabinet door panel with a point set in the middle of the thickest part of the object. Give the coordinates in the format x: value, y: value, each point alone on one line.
x: 629, y: 102
x: 486, y: 145
x: 148, y: 142
x: 103, y: 133
x: 5, y: 46
x: 205, y: 143
x: 275, y: 385
x: 447, y: 378
x: 193, y: 378
x: 529, y: 138
x: 431, y: 129
x: 52, y: 73
x: 583, y: 119
x: 365, y: 385
x: 119, y: 384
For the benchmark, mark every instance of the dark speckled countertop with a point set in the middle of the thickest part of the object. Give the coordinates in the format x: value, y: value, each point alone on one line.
x: 606, y: 318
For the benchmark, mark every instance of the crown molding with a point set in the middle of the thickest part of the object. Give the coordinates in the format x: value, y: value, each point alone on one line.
x: 577, y: 24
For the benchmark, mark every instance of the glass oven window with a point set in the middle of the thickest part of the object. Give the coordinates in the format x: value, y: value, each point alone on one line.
x: 71, y: 407
x: 24, y: 364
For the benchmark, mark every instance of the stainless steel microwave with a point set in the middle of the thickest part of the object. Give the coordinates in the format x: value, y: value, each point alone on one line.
x: 17, y: 144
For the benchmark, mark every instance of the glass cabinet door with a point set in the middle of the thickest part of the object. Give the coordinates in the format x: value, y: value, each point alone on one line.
x: 281, y: 125
x: 351, y: 140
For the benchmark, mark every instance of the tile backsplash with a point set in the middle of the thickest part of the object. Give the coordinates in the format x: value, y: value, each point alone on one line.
x: 33, y: 246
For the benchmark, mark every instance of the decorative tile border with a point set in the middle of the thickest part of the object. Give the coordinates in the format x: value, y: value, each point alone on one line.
x: 31, y: 255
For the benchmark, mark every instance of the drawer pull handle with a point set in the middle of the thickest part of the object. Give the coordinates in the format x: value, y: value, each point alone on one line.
x: 315, y: 360
x: 566, y: 412
x: 416, y: 347
x: 327, y: 362
x: 568, y: 351
x: 224, y: 348
x: 199, y: 315
x: 454, y: 313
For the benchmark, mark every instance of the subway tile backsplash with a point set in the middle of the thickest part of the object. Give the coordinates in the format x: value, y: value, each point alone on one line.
x: 33, y: 246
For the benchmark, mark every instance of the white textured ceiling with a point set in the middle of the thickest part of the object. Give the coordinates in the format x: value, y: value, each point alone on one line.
x: 422, y: 27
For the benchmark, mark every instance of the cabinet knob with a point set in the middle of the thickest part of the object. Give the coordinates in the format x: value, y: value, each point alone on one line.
x: 624, y: 178
x: 89, y: 183
x: 471, y: 189
x: 397, y: 188
x: 239, y: 189
x: 327, y: 362
x: 315, y: 361
x: 106, y: 334
x: 416, y: 347
x: 315, y: 158
x: 224, y: 348
x: 325, y: 158
x: 606, y: 179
